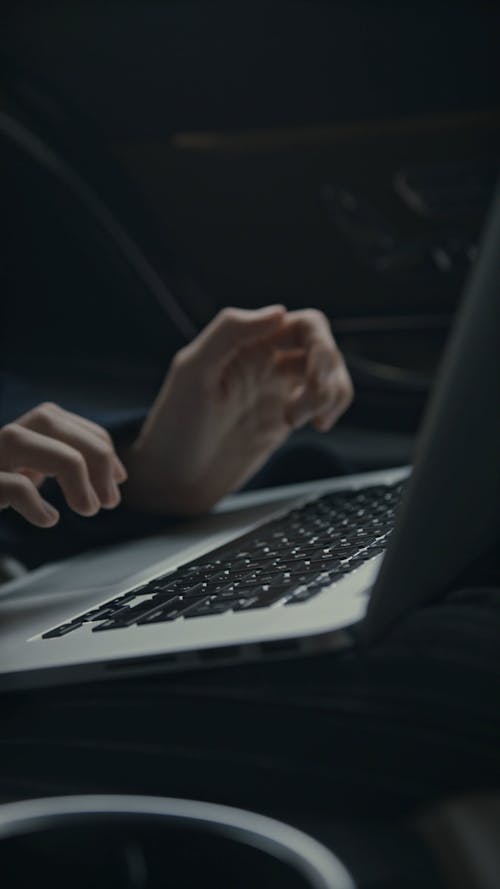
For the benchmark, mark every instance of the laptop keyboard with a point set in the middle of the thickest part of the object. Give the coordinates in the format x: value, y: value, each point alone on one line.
x: 287, y: 561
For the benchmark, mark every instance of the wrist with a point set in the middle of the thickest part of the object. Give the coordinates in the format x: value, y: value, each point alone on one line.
x: 156, y: 488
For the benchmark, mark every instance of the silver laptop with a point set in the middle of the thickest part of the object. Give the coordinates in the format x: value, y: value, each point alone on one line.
x: 295, y: 570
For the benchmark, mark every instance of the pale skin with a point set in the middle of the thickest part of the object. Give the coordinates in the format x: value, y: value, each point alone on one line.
x: 229, y: 399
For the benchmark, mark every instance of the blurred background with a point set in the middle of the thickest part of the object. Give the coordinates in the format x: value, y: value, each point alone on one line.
x: 160, y: 159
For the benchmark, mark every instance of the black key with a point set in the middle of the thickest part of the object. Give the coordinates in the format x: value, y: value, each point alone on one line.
x: 245, y: 604
x: 126, y: 597
x: 363, y: 556
x: 206, y: 609
x: 167, y: 612
x: 361, y: 533
x: 374, y: 551
x: 355, y: 563
x: 105, y: 611
x: 281, y: 588
x: 99, y: 613
x: 334, y: 576
x: 267, y: 597
x: 166, y: 578
x: 303, y: 594
x: 344, y: 552
x: 295, y: 568
x: 179, y: 587
x: 235, y: 591
x: 280, y: 538
x: 132, y: 615
x: 320, y: 581
x: 303, y: 552
x: 317, y: 537
x: 202, y: 590
x: 324, y: 565
x: 334, y: 552
x: 63, y: 629
x: 267, y: 579
x: 211, y: 565
x: 236, y: 576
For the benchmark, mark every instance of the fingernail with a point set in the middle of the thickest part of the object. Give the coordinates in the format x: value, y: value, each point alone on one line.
x: 113, y: 496
x: 51, y: 514
x: 93, y: 505
x: 120, y: 473
x: 271, y: 310
x: 300, y: 419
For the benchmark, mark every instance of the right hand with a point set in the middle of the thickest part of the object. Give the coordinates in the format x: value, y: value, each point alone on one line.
x: 51, y: 442
x: 229, y: 400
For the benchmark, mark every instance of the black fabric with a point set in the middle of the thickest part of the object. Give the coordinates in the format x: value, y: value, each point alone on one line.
x: 348, y: 746
x: 73, y: 534
x: 375, y: 732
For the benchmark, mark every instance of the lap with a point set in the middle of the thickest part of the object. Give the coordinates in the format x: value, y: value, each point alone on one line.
x: 383, y: 730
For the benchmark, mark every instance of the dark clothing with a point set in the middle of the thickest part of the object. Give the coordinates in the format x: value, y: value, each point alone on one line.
x: 73, y: 534
x: 381, y: 731
x: 347, y: 746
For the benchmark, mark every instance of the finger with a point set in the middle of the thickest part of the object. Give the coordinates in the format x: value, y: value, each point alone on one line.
x: 119, y: 471
x: 323, y: 421
x: 310, y: 331
x: 291, y: 363
x: 327, y: 389
x: 35, y: 477
x: 24, y: 447
x: 257, y: 369
x: 47, y: 418
x: 243, y: 377
x: 301, y: 327
x: 98, y: 450
x: 19, y: 492
x: 321, y: 401
x: 230, y: 330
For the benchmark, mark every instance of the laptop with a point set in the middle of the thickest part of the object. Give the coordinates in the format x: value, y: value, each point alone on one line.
x: 290, y: 571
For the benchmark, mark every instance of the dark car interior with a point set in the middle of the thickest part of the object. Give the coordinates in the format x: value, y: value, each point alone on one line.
x: 336, y: 155
x: 162, y: 159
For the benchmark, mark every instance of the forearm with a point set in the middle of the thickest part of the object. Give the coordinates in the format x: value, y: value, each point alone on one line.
x: 154, y: 487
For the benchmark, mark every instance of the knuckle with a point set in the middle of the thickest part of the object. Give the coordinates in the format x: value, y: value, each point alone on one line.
x: 317, y: 317
x: 181, y: 358
x: 346, y: 391
x: 104, y: 452
x: 48, y: 407
x: 20, y: 486
x: 75, y: 461
x: 45, y: 411
x: 228, y: 313
x: 229, y: 317
x: 107, y: 438
x: 43, y: 415
x: 11, y: 435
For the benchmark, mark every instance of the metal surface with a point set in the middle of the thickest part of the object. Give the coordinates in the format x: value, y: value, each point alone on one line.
x: 318, y: 866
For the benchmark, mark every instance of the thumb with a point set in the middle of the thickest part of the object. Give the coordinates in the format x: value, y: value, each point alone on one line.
x: 232, y: 329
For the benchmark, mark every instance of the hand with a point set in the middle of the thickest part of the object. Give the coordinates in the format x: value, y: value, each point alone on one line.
x: 51, y: 442
x: 230, y: 398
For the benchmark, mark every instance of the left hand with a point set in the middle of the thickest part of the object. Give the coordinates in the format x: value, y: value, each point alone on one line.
x: 230, y: 398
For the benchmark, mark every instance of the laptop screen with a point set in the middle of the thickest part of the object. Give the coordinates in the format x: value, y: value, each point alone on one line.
x: 451, y: 513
